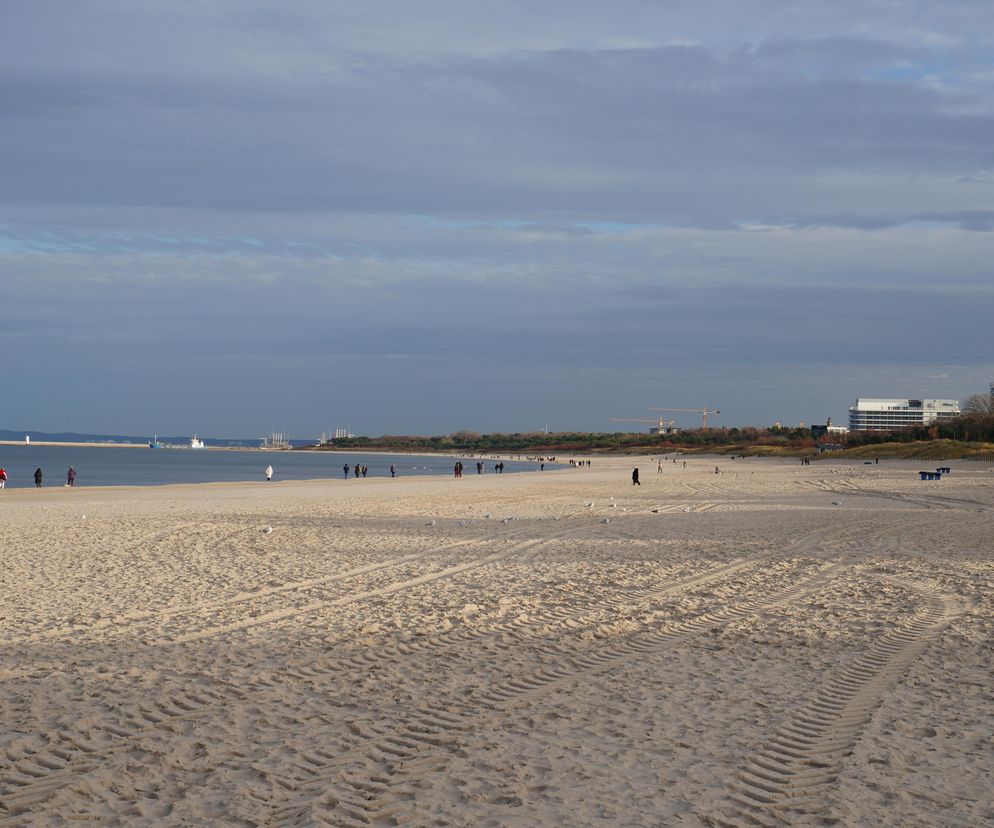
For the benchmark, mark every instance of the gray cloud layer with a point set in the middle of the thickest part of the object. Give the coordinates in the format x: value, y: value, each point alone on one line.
x: 665, y: 200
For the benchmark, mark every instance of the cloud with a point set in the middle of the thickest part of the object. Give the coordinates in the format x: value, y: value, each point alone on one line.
x: 626, y: 194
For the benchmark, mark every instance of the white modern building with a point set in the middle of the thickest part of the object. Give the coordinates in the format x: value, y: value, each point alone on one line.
x: 888, y: 415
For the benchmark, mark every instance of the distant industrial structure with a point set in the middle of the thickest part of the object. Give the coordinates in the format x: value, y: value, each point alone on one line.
x: 890, y: 415
x: 662, y: 426
x: 337, y: 434
x: 702, y: 411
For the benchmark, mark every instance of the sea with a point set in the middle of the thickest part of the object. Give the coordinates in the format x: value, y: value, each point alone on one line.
x: 102, y: 466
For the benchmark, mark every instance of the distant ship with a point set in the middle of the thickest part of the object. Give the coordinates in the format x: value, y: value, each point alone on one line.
x: 155, y: 442
x: 196, y: 444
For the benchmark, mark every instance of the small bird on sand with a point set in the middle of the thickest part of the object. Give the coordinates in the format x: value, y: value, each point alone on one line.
x: 588, y: 505
x: 267, y: 530
x: 487, y: 516
x: 606, y: 520
x: 430, y: 523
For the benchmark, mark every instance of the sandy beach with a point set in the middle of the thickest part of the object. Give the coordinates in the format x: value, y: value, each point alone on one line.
x: 776, y: 644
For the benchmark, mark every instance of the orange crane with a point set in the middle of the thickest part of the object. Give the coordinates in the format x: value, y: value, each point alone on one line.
x: 702, y: 411
x: 664, y: 426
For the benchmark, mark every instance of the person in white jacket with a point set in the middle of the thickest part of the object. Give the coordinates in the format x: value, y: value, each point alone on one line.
x: 269, y: 472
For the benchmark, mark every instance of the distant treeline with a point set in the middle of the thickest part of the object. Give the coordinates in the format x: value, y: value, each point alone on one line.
x: 975, y: 425
x: 566, y: 442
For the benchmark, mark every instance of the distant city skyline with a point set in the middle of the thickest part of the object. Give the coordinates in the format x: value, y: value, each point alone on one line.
x: 227, y: 218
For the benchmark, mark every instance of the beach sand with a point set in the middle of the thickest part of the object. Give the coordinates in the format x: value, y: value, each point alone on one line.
x: 776, y: 644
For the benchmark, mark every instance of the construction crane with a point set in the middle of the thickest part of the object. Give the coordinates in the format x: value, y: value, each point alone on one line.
x: 702, y: 411
x: 662, y: 425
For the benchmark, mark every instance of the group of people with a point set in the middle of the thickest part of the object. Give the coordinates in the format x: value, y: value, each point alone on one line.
x: 457, y: 469
x: 38, y: 476
x: 481, y: 467
x: 359, y: 470
x: 576, y: 464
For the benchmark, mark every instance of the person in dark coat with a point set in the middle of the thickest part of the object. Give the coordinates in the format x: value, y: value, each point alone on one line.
x: 38, y: 477
x: 635, y: 477
x: 71, y: 477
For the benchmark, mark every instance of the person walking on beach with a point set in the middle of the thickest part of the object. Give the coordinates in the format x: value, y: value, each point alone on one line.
x: 269, y: 473
x: 364, y: 470
x: 38, y: 477
x: 635, y: 477
x: 659, y: 466
x: 3, y: 478
x: 357, y: 470
x: 71, y: 477
x: 393, y: 470
x: 345, y: 469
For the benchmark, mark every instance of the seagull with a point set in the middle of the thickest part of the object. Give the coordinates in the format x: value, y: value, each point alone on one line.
x: 588, y: 505
x: 267, y: 530
x: 430, y: 523
x: 487, y: 516
x: 655, y: 511
x: 606, y: 520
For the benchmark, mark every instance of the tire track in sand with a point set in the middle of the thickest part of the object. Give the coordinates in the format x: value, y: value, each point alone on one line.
x: 791, y: 775
x: 30, y: 777
x: 340, y: 791
x: 126, y: 622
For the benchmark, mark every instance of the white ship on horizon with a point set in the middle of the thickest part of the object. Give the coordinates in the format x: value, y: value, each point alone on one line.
x: 196, y: 444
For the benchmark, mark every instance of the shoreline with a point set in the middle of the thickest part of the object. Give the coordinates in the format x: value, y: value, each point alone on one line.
x: 53, y: 444
x: 50, y: 444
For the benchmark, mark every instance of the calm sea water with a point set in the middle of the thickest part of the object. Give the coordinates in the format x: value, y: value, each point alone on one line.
x: 97, y: 466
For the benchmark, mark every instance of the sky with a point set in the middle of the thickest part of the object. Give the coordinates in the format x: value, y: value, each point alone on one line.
x: 231, y: 217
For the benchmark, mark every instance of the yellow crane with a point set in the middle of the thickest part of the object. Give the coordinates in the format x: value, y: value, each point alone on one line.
x: 702, y: 411
x: 664, y: 426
